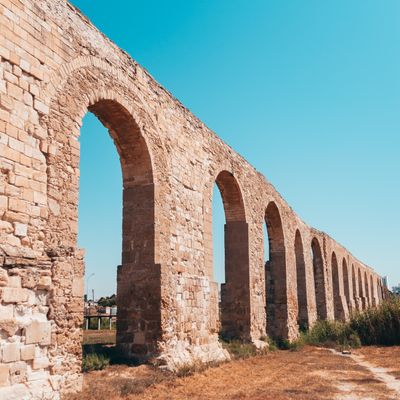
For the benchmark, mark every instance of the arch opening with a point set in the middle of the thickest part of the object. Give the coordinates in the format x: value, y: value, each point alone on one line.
x: 346, y: 283
x: 302, y: 301
x: 379, y: 290
x: 373, y: 291
x: 102, y: 251
x: 234, y: 309
x: 275, y: 274
x: 356, y: 296
x: 337, y: 299
x: 361, y: 291
x: 138, y: 296
x: 367, y: 291
x: 319, y: 279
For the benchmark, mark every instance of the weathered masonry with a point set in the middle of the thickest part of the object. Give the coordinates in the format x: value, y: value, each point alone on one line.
x: 55, y: 67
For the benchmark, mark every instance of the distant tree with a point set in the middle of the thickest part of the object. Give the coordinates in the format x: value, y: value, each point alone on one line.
x: 108, y: 301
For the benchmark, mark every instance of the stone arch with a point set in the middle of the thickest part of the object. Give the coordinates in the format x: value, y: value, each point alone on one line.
x: 275, y: 274
x: 373, y: 301
x: 85, y: 82
x: 346, y: 284
x: 139, y: 276
x: 319, y: 279
x: 60, y: 77
x: 337, y: 297
x: 361, y: 290
x: 302, y: 300
x: 235, y: 292
x: 367, y: 290
x: 356, y: 296
x: 383, y: 288
x: 97, y: 79
x: 232, y: 198
x: 379, y: 289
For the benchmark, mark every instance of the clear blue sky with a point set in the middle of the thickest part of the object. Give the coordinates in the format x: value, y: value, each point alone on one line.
x: 308, y: 91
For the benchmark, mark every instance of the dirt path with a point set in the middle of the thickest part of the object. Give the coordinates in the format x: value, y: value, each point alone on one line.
x: 383, y: 363
x: 307, y: 374
x: 354, y: 390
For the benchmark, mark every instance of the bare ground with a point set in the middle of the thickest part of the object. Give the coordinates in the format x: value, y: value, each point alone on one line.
x: 309, y: 373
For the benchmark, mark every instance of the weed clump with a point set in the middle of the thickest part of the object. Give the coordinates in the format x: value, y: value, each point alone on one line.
x: 190, y: 369
x: 239, y: 349
x: 272, y: 344
x: 94, y: 362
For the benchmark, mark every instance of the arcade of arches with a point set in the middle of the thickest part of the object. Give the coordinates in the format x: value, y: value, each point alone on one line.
x: 168, y: 301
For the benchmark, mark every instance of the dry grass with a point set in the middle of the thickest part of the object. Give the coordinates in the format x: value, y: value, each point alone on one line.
x: 307, y: 374
x: 119, y: 382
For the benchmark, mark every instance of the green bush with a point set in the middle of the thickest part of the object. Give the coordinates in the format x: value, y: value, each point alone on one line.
x: 375, y: 326
x: 94, y: 362
x: 380, y: 325
x: 284, y: 344
x: 332, y: 333
x: 272, y: 345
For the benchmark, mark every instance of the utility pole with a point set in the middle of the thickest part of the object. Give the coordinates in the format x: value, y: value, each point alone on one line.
x: 87, y: 285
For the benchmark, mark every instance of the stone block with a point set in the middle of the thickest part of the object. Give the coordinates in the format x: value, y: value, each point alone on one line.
x: 28, y: 352
x: 20, y: 229
x: 3, y: 277
x: 18, y: 372
x: 11, y: 352
x: 38, y: 332
x: 37, y: 376
x: 6, y: 312
x: 13, y: 240
x: 9, y: 327
x: 5, y: 226
x: 14, y: 295
x: 54, y: 206
x: 17, y: 205
x: 33, y: 89
x: 14, y: 281
x: 3, y: 202
x: 15, y: 392
x: 44, y: 282
x: 40, y: 107
x: 4, y: 374
x: 40, y: 363
x: 77, y: 287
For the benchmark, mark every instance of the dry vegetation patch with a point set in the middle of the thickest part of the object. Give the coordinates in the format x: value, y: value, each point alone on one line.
x: 309, y: 373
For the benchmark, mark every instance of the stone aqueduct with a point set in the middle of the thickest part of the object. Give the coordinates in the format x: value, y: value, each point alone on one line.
x: 55, y: 67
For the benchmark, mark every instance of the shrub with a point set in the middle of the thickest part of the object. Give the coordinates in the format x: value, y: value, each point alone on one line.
x: 94, y: 362
x: 375, y: 326
x: 272, y: 345
x: 332, y: 333
x: 380, y: 325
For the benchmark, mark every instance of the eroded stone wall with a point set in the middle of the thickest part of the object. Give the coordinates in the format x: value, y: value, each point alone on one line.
x: 56, y: 66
